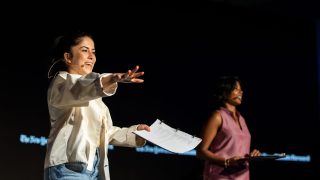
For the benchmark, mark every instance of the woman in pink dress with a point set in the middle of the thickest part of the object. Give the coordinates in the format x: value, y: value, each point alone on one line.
x: 225, y: 136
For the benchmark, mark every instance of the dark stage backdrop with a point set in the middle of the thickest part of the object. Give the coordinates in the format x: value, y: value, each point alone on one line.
x: 181, y: 51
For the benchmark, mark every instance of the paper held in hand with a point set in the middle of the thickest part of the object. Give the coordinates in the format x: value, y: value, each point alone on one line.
x: 169, y: 138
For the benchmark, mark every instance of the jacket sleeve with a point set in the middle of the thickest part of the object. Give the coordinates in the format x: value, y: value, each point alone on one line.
x: 73, y: 90
x: 124, y: 137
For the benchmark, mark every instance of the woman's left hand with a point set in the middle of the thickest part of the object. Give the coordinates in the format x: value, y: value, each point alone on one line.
x: 143, y: 127
x: 140, y: 140
x: 255, y: 152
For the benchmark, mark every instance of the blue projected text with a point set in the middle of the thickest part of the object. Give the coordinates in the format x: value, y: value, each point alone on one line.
x: 42, y: 141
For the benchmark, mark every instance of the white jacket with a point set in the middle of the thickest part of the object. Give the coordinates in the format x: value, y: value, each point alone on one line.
x: 81, y: 122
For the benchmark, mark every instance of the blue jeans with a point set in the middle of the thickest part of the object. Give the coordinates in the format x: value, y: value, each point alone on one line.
x: 73, y: 170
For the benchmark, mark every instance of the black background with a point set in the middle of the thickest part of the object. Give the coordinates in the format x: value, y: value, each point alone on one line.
x: 181, y: 47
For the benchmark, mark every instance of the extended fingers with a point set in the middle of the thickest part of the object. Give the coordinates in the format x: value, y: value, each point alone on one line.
x: 136, y: 80
x: 133, y: 73
x: 132, y: 76
x: 255, y: 152
x: 138, y: 74
x: 135, y: 69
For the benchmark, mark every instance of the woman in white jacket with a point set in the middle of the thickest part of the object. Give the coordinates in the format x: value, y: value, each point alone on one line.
x: 81, y: 125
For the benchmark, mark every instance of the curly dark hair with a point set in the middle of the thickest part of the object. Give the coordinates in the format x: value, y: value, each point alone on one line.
x: 222, y: 89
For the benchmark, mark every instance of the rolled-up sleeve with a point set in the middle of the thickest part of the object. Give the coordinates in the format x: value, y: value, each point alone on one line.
x: 125, y: 137
x: 109, y: 87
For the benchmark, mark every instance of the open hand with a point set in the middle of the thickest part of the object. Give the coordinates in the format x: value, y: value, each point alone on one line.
x: 129, y: 77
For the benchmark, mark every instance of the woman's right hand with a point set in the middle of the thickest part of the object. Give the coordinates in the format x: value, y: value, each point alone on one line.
x: 236, y: 161
x: 129, y: 77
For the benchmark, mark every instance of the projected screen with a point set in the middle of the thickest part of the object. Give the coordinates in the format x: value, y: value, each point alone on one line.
x: 180, y: 57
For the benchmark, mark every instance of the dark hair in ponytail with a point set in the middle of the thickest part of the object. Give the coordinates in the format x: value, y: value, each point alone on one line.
x: 61, y: 45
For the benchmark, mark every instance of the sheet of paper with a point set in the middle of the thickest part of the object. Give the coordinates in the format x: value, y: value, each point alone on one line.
x: 169, y: 138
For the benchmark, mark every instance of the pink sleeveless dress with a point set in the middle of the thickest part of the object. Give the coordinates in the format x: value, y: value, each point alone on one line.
x: 230, y: 141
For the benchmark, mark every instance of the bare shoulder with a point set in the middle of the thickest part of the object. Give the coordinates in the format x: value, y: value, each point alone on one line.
x: 215, y: 118
x: 215, y: 115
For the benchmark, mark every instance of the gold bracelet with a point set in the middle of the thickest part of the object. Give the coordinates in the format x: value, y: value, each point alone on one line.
x: 225, y: 163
